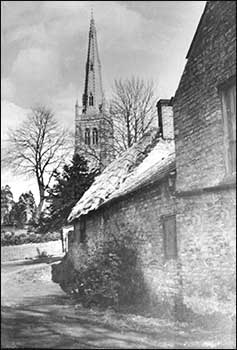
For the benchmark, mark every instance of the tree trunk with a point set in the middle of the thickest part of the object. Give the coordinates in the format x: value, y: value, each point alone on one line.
x: 40, y: 206
x: 41, y: 202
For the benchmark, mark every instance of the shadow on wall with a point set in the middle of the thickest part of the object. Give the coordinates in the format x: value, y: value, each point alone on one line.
x: 167, y: 292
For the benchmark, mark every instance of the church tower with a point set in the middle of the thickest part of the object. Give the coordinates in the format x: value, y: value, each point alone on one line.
x: 94, y: 128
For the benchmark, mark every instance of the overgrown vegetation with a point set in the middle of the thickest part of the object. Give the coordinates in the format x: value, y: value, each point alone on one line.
x: 24, y: 211
x: 108, y: 274
x: 42, y: 255
x: 19, y: 213
x: 10, y: 238
x: 69, y: 186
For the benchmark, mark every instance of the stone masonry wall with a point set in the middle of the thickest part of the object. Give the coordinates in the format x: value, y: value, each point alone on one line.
x: 198, y: 118
x: 103, y: 151
x: 168, y: 122
x: 139, y: 214
x: 206, y: 221
x: 165, y: 118
x: 206, y: 239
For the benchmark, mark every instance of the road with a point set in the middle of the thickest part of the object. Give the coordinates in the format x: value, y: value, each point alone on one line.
x: 37, y: 314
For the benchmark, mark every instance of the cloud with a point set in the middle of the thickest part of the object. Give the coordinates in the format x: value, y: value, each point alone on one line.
x: 44, y: 49
x: 45, y: 45
x: 64, y: 106
x: 7, y: 89
x: 35, y: 63
x: 36, y: 75
x: 32, y: 34
x: 47, y: 50
x: 18, y: 184
x: 11, y: 116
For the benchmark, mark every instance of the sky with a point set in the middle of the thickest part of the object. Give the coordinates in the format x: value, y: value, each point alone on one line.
x: 44, y: 49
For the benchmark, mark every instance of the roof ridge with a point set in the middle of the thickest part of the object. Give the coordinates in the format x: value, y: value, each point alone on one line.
x: 113, y: 177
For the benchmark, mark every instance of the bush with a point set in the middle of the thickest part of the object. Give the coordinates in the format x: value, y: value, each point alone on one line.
x: 64, y: 274
x: 108, y: 275
x: 9, y: 238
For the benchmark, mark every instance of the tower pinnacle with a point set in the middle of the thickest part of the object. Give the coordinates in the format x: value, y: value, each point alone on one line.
x: 93, y: 97
x: 93, y: 128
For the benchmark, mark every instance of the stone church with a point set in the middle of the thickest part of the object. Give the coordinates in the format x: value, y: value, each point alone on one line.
x: 93, y: 125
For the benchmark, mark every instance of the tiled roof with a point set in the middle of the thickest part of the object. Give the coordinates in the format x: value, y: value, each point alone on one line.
x: 147, y: 161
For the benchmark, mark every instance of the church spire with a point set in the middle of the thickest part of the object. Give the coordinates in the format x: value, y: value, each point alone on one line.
x: 93, y: 97
x: 92, y: 18
x: 93, y: 128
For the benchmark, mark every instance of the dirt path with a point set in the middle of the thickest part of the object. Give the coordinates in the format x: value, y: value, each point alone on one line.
x: 37, y: 314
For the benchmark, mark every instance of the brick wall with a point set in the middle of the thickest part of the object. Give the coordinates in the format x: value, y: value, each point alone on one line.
x: 198, y: 119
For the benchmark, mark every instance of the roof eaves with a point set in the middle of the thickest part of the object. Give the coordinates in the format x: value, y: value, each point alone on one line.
x: 155, y: 179
x: 114, y: 175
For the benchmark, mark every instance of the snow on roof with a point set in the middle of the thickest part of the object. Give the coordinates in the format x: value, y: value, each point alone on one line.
x: 159, y: 162
x: 146, y: 161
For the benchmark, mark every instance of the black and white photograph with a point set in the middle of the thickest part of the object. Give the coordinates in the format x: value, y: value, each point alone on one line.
x: 118, y: 174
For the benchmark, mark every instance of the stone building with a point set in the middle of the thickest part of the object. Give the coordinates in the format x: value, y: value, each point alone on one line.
x: 205, y: 143
x: 135, y: 195
x: 93, y: 125
x: 175, y: 189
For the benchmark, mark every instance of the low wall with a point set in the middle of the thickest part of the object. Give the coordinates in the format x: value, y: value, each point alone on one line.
x: 24, y: 251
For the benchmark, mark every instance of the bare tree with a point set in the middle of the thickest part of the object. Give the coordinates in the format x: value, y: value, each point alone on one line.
x: 132, y: 111
x: 129, y: 115
x: 37, y: 147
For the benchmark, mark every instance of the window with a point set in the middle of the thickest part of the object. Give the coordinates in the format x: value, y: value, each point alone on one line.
x: 77, y: 130
x: 90, y: 99
x: 170, y: 240
x: 87, y: 137
x: 91, y: 66
x: 228, y: 98
x: 95, y: 136
x: 172, y: 181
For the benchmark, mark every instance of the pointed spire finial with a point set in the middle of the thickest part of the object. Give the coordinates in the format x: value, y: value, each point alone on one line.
x: 92, y: 17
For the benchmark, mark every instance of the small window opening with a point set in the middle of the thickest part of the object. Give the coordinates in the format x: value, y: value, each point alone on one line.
x: 87, y: 137
x: 170, y: 239
x: 95, y: 136
x: 91, y: 100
